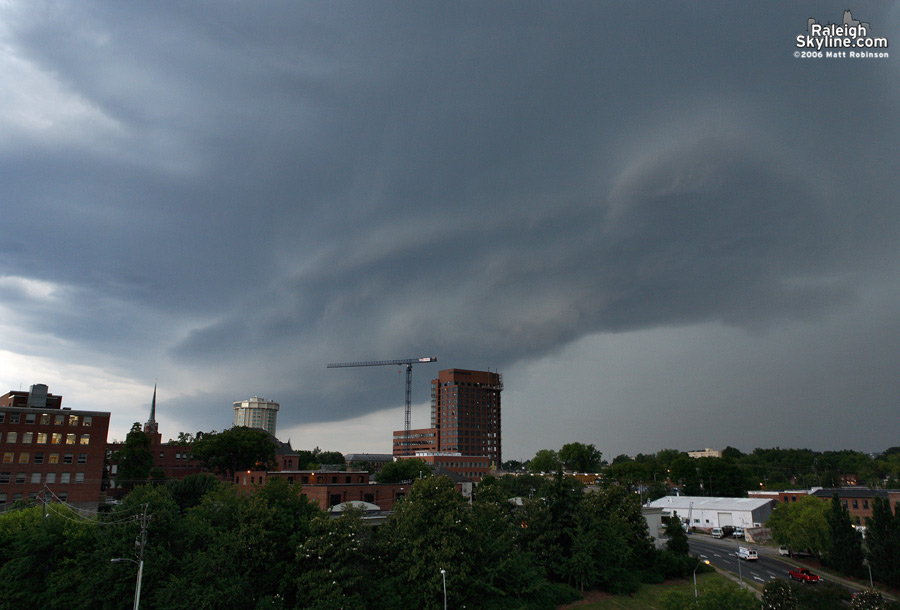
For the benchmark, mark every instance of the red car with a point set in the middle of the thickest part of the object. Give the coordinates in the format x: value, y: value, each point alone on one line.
x: 803, y: 575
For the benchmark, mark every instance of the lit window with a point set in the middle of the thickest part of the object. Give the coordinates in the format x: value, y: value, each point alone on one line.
x: 35, y: 478
x: 9, y: 457
x: 65, y: 477
x: 85, y: 439
x: 11, y: 437
x: 51, y: 478
x: 27, y: 437
x: 45, y: 419
x: 70, y: 439
x: 59, y: 420
x: 86, y: 421
x: 54, y: 458
x: 56, y: 439
x: 73, y: 420
x: 42, y: 438
x: 24, y: 457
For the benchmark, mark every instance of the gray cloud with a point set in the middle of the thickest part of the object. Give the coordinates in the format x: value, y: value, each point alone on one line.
x: 237, y: 195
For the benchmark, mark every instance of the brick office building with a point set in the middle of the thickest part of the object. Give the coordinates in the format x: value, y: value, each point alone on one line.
x: 465, y: 417
x: 50, y: 450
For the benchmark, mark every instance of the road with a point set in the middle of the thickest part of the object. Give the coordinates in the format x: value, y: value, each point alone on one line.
x: 721, y: 553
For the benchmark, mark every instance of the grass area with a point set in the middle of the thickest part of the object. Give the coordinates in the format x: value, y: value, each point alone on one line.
x: 647, y: 598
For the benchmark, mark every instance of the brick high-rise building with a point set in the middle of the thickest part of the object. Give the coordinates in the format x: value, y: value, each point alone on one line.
x: 465, y: 409
x: 49, y: 450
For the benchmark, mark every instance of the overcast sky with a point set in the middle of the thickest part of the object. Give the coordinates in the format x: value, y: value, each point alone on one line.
x: 661, y: 227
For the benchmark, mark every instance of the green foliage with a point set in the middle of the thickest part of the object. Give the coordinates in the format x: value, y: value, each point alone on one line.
x: 844, y: 552
x: 579, y: 457
x: 333, y: 563
x: 717, y: 596
x: 883, y: 542
x: 777, y: 595
x: 135, y: 460
x: 545, y: 460
x: 235, y: 449
x: 405, y: 470
x: 678, y: 541
x: 801, y: 525
x: 868, y: 600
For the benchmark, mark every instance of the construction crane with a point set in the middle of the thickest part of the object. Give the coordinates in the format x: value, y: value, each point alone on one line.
x: 408, y: 362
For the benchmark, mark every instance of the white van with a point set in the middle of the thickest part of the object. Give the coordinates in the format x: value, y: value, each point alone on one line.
x: 717, y: 532
x: 746, y: 553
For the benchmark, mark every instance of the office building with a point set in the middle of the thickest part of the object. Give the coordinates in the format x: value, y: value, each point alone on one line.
x: 50, y: 451
x: 256, y: 412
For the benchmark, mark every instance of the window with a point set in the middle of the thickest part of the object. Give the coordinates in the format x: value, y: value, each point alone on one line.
x: 29, y: 418
x: 79, y: 477
x: 11, y: 437
x: 27, y: 437
x: 14, y: 418
x: 54, y: 458
x: 70, y: 439
x: 20, y: 478
x: 82, y: 458
x: 177, y: 456
x: 24, y: 457
x: 38, y: 458
x: 2, y: 418
x: 9, y: 457
x: 73, y: 420
x: 63, y: 496
x: 65, y: 477
x: 35, y: 478
x: 51, y: 478
x: 3, y: 498
x: 855, y: 504
x: 85, y: 439
x: 56, y: 439
x: 42, y: 438
x: 4, y: 478
x: 86, y: 421
x: 865, y: 504
x: 68, y: 458
x: 59, y: 420
x: 45, y: 419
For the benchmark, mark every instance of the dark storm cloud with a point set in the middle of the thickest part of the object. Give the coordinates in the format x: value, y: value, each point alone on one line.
x: 257, y: 190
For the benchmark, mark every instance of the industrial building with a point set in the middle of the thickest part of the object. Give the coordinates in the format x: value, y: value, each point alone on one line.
x: 704, y: 513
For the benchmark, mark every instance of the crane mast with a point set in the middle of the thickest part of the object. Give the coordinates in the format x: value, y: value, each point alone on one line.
x: 408, y: 363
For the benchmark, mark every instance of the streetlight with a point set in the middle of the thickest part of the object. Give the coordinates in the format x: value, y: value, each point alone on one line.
x: 699, y: 563
x: 444, y: 578
x: 137, y: 589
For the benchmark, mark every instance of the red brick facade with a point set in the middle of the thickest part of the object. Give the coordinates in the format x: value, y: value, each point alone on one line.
x: 50, y: 450
x: 328, y: 488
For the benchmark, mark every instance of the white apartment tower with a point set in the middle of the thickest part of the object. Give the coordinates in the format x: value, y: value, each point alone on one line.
x: 256, y: 412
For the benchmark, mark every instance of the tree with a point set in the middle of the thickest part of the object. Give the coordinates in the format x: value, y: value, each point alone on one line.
x: 717, y: 596
x: 579, y: 457
x: 801, y: 525
x: 545, y: 460
x: 883, y: 542
x: 845, y: 551
x: 683, y: 472
x: 678, y: 542
x: 777, y: 595
x: 135, y: 460
x: 868, y: 600
x: 403, y: 470
x: 238, y: 448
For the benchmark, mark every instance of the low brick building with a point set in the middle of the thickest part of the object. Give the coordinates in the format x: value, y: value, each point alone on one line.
x: 328, y: 487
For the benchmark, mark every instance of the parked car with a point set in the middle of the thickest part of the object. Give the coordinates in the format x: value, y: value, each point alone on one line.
x: 784, y: 551
x: 746, y: 553
x: 803, y: 575
x: 738, y: 532
x: 717, y: 532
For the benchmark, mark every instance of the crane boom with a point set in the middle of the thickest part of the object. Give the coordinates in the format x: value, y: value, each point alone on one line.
x: 408, y: 363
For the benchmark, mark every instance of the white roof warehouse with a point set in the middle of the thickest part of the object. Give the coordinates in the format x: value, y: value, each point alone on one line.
x: 707, y: 513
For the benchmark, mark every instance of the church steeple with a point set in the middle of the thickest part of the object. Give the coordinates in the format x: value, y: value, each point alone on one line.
x: 151, y: 427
